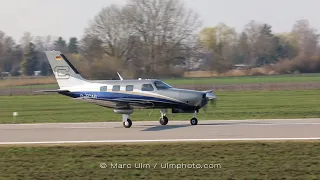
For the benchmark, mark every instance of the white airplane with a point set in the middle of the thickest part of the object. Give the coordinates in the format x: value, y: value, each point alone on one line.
x: 125, y: 95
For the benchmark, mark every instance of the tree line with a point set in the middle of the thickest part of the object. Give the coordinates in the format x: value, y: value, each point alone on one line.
x: 29, y: 55
x: 257, y: 45
x: 152, y: 38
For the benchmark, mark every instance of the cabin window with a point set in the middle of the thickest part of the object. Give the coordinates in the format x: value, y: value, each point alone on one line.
x: 103, y: 88
x: 129, y: 88
x: 116, y: 88
x: 147, y: 87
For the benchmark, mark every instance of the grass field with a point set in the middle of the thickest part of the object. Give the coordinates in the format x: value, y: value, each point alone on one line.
x: 233, y: 160
x: 230, y: 105
x: 50, y: 82
x: 22, y: 81
x: 41, y: 86
x: 248, y: 79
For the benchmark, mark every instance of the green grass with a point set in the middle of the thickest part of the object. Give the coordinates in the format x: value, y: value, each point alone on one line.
x: 42, y: 86
x: 230, y: 105
x: 238, y: 160
x: 247, y: 79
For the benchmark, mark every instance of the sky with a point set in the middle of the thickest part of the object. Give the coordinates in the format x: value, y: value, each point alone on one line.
x: 69, y: 18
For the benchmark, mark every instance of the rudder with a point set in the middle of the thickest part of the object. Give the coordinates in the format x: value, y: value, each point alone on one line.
x: 65, y: 73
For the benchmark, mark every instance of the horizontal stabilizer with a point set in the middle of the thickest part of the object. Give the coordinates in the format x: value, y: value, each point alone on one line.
x: 54, y: 90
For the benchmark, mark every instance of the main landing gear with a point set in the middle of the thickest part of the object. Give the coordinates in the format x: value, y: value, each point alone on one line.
x: 127, y: 123
x: 163, y: 119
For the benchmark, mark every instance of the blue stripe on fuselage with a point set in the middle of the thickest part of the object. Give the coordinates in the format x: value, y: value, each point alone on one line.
x: 115, y: 96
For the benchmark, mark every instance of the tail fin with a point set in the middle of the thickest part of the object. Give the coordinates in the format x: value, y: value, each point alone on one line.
x: 64, y: 72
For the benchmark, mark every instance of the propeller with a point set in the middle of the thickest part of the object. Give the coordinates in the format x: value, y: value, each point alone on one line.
x: 208, y: 97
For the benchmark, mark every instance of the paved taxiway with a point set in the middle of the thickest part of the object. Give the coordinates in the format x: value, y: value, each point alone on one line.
x: 152, y: 131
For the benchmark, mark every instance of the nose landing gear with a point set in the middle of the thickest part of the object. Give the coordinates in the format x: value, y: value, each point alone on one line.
x: 194, y: 120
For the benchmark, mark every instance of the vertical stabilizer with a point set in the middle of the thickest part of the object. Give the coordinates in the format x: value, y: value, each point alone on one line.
x: 65, y: 73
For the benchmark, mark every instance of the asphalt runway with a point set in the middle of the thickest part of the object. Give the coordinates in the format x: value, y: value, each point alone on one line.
x: 152, y: 131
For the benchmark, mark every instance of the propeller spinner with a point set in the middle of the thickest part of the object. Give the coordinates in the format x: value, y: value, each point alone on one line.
x: 208, y: 97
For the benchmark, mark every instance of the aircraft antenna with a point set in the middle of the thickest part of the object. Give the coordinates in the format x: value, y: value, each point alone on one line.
x: 120, y: 76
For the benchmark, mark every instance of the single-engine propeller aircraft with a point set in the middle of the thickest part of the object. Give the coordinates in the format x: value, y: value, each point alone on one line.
x: 126, y: 95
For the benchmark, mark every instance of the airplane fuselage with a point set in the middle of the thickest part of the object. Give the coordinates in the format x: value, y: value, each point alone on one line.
x: 149, y: 94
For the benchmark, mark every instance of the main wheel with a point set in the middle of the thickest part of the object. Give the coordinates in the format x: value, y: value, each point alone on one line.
x: 194, y: 121
x: 164, y: 120
x: 127, y: 124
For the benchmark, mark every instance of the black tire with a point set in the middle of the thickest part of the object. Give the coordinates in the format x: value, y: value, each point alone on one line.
x: 164, y: 120
x: 128, y: 124
x: 194, y: 121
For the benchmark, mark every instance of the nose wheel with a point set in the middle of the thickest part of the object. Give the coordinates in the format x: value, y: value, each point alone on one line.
x: 194, y: 121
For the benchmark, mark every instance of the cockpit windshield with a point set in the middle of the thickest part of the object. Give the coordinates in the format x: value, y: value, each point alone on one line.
x: 161, y: 85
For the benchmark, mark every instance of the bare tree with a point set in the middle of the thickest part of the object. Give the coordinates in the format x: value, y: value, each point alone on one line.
x: 44, y: 43
x: 253, y: 29
x: 110, y: 28
x: 150, y: 33
x: 166, y: 29
x: 220, y: 42
x: 7, y: 49
x: 306, y: 36
x: 26, y: 39
x: 91, y: 47
x: 262, y: 43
